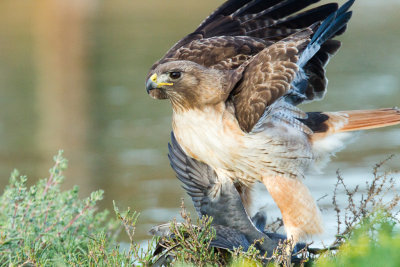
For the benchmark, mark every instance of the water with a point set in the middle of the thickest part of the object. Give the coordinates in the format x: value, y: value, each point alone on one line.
x: 72, y: 77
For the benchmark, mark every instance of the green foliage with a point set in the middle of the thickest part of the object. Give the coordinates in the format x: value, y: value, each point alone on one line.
x: 251, y: 257
x: 44, y: 226
x: 374, y: 242
x: 243, y: 261
x: 190, y: 243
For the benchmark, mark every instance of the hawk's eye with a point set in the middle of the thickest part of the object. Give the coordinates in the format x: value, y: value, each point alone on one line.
x: 175, y: 75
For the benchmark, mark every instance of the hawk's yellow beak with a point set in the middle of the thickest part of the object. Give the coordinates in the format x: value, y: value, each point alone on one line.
x: 152, y: 83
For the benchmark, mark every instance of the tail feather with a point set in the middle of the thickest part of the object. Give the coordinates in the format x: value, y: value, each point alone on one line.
x: 333, y: 130
x: 370, y: 119
x: 353, y: 120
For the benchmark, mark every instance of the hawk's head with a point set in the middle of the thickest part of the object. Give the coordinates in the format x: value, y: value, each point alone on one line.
x: 188, y: 84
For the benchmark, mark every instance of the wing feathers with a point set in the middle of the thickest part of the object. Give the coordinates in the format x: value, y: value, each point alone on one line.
x: 267, y: 77
x: 273, y: 72
x: 335, y: 22
x: 243, y: 31
x: 252, y: 19
x: 308, y: 17
x: 286, y: 8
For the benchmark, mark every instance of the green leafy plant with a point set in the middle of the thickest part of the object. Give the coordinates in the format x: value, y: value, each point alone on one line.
x: 373, y: 242
x: 44, y: 226
x: 41, y: 225
x: 191, y: 243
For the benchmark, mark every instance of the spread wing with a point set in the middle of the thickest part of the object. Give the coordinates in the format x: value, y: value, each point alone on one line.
x: 292, y: 67
x: 257, y: 19
x: 256, y: 36
x: 239, y: 29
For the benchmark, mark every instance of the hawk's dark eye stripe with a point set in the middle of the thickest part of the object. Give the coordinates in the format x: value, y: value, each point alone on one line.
x: 175, y: 75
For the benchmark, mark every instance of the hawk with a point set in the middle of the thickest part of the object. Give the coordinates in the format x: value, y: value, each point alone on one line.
x: 234, y: 84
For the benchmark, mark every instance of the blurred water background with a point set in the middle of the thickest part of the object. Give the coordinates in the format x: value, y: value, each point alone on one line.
x: 72, y: 77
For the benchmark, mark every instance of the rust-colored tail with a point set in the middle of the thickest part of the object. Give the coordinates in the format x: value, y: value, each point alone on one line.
x: 370, y: 119
x: 355, y: 120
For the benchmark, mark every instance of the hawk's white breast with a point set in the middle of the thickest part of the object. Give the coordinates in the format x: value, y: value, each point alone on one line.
x: 213, y: 136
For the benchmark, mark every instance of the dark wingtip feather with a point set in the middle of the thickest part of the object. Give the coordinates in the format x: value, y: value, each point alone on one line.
x: 336, y: 26
x: 333, y: 23
x: 323, y: 26
x: 312, y: 16
x: 246, y: 8
x: 345, y: 6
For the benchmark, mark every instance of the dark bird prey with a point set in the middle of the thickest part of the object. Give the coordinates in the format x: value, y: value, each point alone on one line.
x: 219, y: 200
x: 234, y: 84
x: 234, y: 228
x: 226, y: 239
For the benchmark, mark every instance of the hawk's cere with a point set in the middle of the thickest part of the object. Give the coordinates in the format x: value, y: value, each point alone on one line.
x: 234, y: 84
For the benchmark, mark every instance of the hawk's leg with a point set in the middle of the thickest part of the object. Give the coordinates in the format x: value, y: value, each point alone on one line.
x: 300, y: 214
